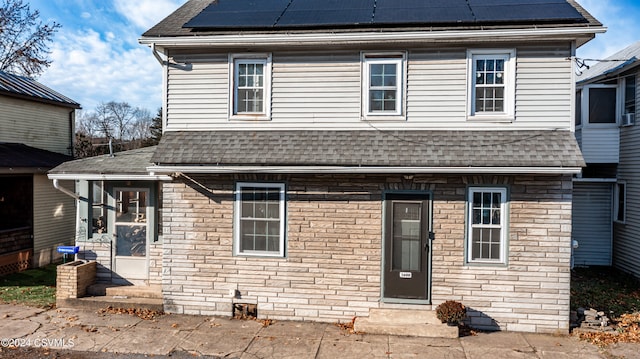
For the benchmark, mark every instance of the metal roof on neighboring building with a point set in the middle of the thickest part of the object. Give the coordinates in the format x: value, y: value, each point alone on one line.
x: 24, y: 87
x: 622, y: 60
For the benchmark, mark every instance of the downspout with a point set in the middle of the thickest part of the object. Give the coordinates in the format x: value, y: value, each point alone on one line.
x: 57, y: 186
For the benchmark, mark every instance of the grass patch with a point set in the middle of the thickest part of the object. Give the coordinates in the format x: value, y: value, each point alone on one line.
x: 605, y: 289
x: 33, y: 287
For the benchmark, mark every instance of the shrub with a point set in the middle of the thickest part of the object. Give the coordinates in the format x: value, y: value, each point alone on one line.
x: 451, y: 312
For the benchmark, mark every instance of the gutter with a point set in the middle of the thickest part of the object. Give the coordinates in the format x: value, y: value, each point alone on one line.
x: 108, y: 177
x: 57, y: 186
x: 366, y: 37
x: 361, y: 170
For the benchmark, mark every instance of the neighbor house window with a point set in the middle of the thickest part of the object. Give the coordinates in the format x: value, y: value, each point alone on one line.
x: 383, y: 82
x: 486, y: 236
x: 602, y: 104
x: 260, y: 219
x: 251, y: 87
x: 620, y: 202
x: 491, y: 83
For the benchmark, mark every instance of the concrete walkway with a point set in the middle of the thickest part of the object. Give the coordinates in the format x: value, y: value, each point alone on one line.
x: 89, y: 331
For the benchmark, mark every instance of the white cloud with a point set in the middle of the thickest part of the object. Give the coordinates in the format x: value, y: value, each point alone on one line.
x: 622, y: 29
x: 90, y: 70
x: 146, y: 13
x: 85, y: 15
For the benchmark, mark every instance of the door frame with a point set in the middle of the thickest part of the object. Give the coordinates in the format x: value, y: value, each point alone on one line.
x: 114, y: 188
x: 421, y: 195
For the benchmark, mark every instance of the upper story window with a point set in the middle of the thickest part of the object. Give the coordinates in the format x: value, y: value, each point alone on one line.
x: 491, y: 80
x: 250, y: 86
x: 383, y: 85
x: 629, y: 106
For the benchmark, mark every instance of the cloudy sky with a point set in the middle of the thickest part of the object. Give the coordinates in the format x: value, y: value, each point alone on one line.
x: 97, y: 58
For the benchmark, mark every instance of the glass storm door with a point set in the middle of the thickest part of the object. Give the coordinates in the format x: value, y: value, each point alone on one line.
x: 407, y: 246
x: 131, y: 234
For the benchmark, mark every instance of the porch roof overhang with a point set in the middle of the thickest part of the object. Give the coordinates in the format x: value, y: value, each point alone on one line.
x: 368, y: 151
x: 121, y: 166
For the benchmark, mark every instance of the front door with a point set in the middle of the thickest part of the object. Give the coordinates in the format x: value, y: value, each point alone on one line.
x: 407, y: 246
x: 131, y: 232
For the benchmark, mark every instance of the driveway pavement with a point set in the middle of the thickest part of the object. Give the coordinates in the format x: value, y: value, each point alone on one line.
x: 87, y: 331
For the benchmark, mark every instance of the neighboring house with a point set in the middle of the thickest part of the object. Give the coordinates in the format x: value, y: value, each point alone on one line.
x: 324, y: 160
x: 607, y: 194
x: 36, y: 134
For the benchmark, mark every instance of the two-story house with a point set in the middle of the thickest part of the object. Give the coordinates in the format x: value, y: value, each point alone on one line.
x: 324, y: 160
x: 36, y: 134
x: 606, y: 220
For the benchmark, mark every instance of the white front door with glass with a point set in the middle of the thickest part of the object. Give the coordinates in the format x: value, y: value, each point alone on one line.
x: 132, y: 213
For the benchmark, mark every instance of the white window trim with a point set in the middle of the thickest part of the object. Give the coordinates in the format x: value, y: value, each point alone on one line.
x: 399, y: 58
x: 237, y: 210
x: 503, y: 224
x: 265, y: 59
x: 616, y: 202
x: 509, y: 84
x: 586, y: 93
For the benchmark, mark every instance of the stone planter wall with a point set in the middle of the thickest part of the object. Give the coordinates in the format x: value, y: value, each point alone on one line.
x: 73, y: 278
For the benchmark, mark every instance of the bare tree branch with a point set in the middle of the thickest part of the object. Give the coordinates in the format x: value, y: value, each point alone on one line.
x: 24, y: 40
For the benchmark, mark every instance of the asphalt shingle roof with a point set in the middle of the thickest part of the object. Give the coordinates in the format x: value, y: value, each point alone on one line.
x: 371, y: 148
x: 23, y: 87
x: 127, y: 162
x: 18, y: 155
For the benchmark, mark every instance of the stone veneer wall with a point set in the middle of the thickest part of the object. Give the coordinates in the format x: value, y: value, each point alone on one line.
x: 332, y: 268
x: 73, y: 278
x: 101, y: 252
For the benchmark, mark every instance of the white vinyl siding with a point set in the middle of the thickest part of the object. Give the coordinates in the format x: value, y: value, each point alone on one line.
x: 592, y: 223
x: 198, y: 97
x: 316, y: 88
x: 35, y: 124
x: 322, y: 90
x: 54, y: 216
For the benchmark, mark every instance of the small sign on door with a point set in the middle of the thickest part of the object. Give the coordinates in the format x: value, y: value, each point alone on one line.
x: 406, y: 275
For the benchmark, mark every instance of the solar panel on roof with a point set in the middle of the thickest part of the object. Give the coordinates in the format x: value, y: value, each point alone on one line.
x: 420, y: 11
x: 327, y: 12
x: 239, y: 14
x: 526, y: 12
x: 274, y: 14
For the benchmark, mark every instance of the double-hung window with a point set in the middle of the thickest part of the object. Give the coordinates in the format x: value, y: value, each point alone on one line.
x: 250, y: 90
x: 383, y: 83
x: 260, y: 219
x: 486, y: 225
x: 491, y: 84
